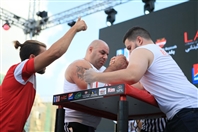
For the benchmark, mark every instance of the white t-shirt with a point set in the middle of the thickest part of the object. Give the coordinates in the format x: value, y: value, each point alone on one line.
x: 167, y: 83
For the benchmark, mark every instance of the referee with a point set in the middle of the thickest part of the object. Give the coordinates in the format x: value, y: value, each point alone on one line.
x: 154, y: 125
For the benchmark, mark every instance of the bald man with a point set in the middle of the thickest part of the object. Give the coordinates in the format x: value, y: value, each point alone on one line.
x: 96, y: 56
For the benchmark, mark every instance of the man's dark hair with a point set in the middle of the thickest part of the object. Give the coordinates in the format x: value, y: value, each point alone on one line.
x: 28, y: 48
x: 134, y: 32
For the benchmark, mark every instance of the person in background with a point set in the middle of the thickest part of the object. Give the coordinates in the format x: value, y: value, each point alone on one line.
x: 154, y: 125
x: 18, y: 89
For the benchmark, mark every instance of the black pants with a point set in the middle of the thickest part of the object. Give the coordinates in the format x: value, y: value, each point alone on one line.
x: 143, y: 131
x: 77, y: 127
x: 186, y: 120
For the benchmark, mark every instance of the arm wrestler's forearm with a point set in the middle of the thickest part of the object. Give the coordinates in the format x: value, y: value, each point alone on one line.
x: 120, y: 76
x: 138, y: 85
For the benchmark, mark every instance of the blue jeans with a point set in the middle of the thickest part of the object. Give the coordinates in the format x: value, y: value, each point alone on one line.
x: 186, y: 120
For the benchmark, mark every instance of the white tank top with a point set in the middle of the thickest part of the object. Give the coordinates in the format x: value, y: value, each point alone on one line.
x: 168, y: 84
x: 77, y: 116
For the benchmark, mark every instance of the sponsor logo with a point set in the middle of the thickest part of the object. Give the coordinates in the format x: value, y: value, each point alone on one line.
x: 56, y: 98
x: 78, y: 95
x: 119, y: 86
x: 161, y: 42
x: 190, y: 43
x: 124, y: 52
x: 111, y: 90
x: 94, y: 92
x: 195, y: 74
x: 169, y: 49
x: 63, y: 97
x: 120, y: 89
x: 102, y: 91
x: 70, y: 96
x: 86, y: 94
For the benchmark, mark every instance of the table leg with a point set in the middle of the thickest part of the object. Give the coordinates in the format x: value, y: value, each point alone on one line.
x: 122, y: 116
x: 60, y: 116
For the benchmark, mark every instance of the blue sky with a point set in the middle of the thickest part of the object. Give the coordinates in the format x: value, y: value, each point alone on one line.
x: 52, y: 82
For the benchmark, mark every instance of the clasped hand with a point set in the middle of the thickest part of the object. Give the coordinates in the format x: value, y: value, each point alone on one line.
x: 90, y: 75
x: 116, y: 63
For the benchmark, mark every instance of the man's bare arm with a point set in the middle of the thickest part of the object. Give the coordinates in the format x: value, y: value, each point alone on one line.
x: 75, y: 71
x: 138, y: 85
x: 80, y: 71
x: 117, y: 63
x: 138, y: 65
x: 59, y: 47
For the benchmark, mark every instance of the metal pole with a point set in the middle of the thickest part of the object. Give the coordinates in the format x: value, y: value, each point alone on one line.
x: 60, y: 116
x: 122, y: 117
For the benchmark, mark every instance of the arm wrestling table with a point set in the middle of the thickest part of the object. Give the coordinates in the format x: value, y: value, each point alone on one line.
x: 109, y: 102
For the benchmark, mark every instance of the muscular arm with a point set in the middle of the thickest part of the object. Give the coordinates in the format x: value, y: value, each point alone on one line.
x: 55, y: 51
x: 58, y: 48
x: 138, y: 85
x: 75, y: 71
x: 120, y: 62
x: 117, y: 63
x: 80, y: 71
x: 138, y: 64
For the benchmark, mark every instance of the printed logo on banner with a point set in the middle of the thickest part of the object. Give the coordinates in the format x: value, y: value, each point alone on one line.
x: 120, y: 89
x: 111, y: 90
x: 119, y: 86
x: 86, y: 94
x: 161, y: 42
x: 169, y: 49
x: 70, y: 96
x: 78, y: 95
x: 195, y: 74
x: 102, y: 91
x: 191, y: 42
x: 63, y: 97
x: 94, y: 92
x: 56, y: 98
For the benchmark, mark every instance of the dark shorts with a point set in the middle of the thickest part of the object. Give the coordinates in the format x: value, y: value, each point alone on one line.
x: 77, y: 127
x: 186, y: 120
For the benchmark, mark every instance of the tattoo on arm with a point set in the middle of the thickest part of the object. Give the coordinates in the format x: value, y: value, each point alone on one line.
x: 80, y: 71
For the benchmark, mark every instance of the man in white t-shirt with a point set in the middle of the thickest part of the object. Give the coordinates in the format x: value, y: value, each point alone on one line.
x: 160, y: 75
x: 95, y: 58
